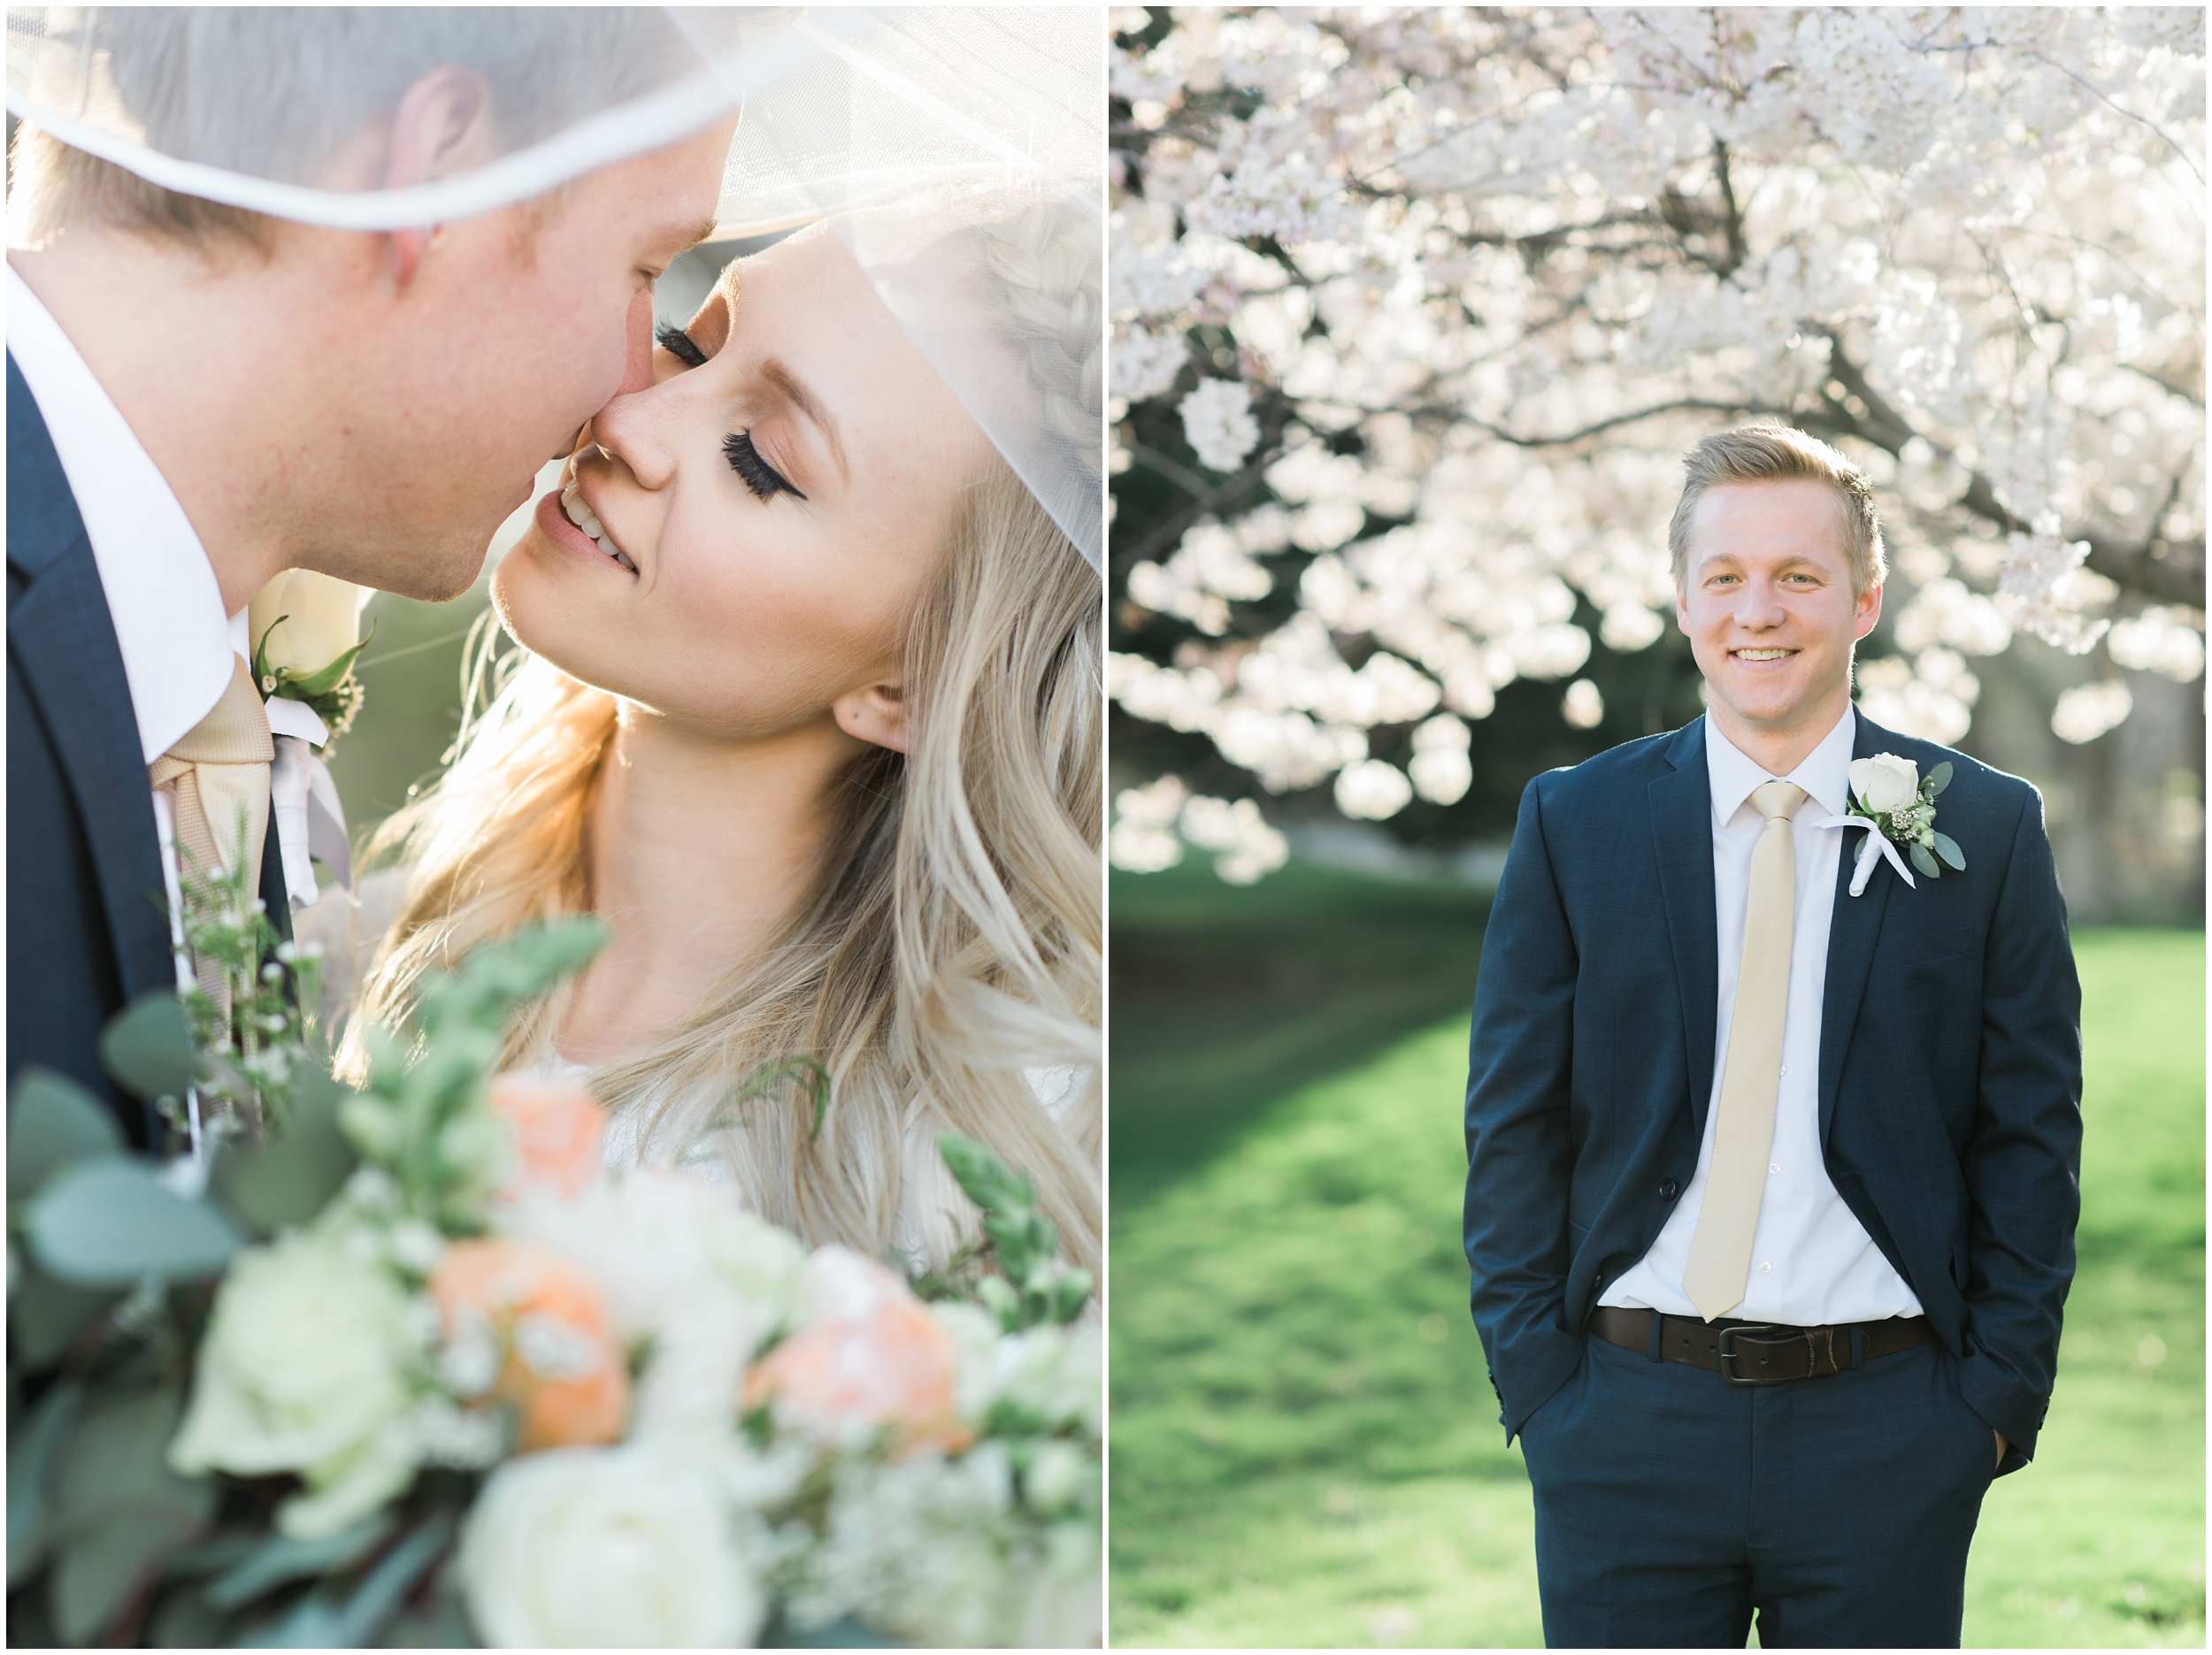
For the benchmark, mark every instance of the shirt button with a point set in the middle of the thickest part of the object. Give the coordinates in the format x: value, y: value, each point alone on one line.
x: 1785, y: 1069
x: 1766, y: 1269
x: 1774, y: 1166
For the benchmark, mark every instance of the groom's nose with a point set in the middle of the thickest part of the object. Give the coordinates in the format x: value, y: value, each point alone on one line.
x: 637, y: 367
x: 1759, y: 605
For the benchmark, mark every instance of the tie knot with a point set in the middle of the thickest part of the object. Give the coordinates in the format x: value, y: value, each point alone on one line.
x: 1777, y: 800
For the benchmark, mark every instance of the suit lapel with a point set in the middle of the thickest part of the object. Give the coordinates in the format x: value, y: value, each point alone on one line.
x: 1852, y: 931
x: 1682, y: 837
x: 63, y: 646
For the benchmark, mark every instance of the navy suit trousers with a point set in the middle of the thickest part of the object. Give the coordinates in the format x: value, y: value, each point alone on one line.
x: 1670, y: 1506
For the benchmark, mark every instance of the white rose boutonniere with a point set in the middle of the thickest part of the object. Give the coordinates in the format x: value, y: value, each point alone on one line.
x: 305, y: 629
x: 1896, y: 805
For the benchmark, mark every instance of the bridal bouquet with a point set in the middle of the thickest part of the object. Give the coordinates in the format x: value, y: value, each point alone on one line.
x: 418, y: 1369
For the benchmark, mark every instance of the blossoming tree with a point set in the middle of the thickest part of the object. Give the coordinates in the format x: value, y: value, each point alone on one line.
x: 1414, y: 313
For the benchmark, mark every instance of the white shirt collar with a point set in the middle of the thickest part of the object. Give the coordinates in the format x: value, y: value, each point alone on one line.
x: 1825, y: 775
x: 163, y: 597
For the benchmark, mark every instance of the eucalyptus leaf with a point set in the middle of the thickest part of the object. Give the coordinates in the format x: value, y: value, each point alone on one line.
x: 53, y: 1121
x: 291, y: 1176
x: 119, y: 1512
x: 146, y: 1048
x: 1924, y: 863
x: 185, y: 1619
x: 34, y: 1445
x: 108, y: 1220
x: 95, y: 1576
x: 1947, y: 847
x: 845, y: 1634
x: 45, y: 1316
x: 312, y: 1624
x: 281, y: 1559
x: 1939, y: 778
x: 379, y: 1595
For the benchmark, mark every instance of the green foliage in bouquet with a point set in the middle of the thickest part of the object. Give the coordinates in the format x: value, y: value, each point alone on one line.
x: 424, y: 1116
x: 112, y: 1261
x: 230, y: 1424
x: 1033, y: 1289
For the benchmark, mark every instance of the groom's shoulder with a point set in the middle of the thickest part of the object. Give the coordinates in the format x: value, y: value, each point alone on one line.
x: 1642, y: 760
x: 43, y: 517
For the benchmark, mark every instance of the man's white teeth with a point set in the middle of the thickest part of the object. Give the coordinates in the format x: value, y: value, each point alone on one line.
x: 580, y: 515
x: 1761, y: 655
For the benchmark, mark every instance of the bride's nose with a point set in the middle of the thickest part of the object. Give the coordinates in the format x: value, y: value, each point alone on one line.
x: 639, y: 429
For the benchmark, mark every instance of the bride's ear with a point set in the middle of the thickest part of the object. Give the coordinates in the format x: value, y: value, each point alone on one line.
x: 876, y: 714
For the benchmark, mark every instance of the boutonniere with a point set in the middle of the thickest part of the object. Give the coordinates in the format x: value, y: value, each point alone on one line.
x: 305, y: 629
x: 1896, y: 805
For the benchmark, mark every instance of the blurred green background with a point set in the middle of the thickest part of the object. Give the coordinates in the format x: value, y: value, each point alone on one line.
x: 1304, y: 1451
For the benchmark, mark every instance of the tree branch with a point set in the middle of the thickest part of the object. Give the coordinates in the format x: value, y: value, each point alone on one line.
x: 2171, y: 572
x: 1565, y: 439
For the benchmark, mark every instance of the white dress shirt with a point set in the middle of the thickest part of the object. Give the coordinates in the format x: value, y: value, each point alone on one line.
x: 1812, y: 1260
x: 163, y: 598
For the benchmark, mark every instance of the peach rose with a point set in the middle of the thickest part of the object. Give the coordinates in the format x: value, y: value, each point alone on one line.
x: 877, y: 1359
x: 547, y: 1326
x: 557, y: 1127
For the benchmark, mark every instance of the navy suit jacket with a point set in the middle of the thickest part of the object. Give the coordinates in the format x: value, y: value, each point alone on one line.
x: 87, y: 924
x: 1950, y: 1066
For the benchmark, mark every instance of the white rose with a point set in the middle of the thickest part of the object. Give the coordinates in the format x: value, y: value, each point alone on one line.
x: 322, y: 619
x: 303, y: 1369
x: 1886, y: 782
x: 606, y: 1548
x: 1054, y: 1374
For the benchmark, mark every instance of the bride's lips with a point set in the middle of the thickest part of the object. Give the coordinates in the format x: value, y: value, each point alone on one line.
x: 554, y: 525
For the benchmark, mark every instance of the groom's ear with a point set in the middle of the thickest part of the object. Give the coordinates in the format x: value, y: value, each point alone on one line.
x: 877, y: 714
x: 443, y: 121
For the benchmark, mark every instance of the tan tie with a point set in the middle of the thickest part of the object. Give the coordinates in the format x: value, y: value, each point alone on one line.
x: 219, y: 772
x: 1720, y: 1251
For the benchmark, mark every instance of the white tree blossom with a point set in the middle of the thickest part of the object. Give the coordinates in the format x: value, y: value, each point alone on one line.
x: 1442, y: 295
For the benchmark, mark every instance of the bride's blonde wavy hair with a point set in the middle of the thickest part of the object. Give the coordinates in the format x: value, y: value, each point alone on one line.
x: 951, y: 936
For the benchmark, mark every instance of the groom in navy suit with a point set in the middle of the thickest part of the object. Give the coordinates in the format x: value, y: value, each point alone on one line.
x: 200, y: 398
x: 1772, y: 1157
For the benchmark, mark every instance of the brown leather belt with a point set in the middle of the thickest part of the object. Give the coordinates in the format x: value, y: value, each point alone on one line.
x: 1758, y: 1352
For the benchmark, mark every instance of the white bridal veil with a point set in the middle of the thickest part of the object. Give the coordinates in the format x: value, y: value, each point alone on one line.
x: 959, y: 151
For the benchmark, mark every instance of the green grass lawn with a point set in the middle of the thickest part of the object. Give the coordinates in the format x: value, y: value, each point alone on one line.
x: 1304, y: 1451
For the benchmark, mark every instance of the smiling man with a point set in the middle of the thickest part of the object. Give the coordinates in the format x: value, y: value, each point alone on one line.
x: 1772, y: 1169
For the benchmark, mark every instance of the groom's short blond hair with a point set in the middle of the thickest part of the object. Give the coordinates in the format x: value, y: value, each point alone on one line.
x: 1769, y: 453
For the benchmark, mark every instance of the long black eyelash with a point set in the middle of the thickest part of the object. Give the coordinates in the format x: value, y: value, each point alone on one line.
x: 761, y: 478
x: 673, y: 340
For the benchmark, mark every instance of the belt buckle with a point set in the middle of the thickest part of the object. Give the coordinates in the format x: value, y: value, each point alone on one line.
x: 1728, y: 1354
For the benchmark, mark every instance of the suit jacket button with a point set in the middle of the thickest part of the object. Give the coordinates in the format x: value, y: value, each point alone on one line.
x: 1669, y: 1188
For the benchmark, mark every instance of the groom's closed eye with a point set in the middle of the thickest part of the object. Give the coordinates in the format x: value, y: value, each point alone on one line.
x: 763, y: 479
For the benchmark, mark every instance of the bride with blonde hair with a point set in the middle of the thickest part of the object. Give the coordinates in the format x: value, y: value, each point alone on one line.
x: 807, y: 707
x: 806, y: 700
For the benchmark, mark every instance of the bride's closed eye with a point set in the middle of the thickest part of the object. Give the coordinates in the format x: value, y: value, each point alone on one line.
x: 674, y: 340
x: 763, y: 479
